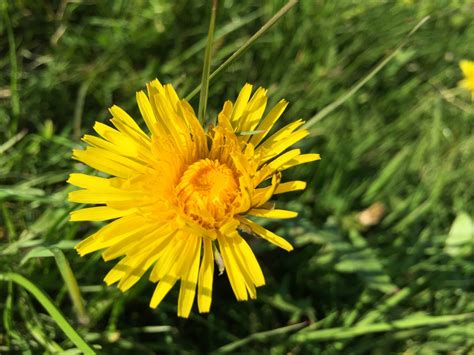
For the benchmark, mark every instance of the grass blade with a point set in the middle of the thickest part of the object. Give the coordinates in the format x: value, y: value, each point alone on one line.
x: 10, y: 227
x: 260, y: 336
x: 338, y: 102
x: 7, y: 317
x: 55, y: 313
x: 36, y: 328
x: 15, y: 100
x: 402, y: 324
x: 12, y: 141
x: 71, y: 284
x: 67, y: 275
x: 246, y: 45
x: 207, y: 65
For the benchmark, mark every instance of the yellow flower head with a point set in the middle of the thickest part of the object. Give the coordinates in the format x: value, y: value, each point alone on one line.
x: 467, y: 67
x: 180, y: 193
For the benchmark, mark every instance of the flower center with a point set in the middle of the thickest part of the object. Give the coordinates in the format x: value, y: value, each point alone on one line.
x: 206, y: 192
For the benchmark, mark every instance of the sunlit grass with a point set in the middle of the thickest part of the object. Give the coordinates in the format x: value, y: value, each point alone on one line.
x: 405, y: 139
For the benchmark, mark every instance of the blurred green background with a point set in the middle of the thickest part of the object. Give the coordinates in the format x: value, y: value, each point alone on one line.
x: 396, y: 278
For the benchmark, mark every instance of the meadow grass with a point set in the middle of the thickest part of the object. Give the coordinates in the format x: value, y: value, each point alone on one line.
x: 404, y: 140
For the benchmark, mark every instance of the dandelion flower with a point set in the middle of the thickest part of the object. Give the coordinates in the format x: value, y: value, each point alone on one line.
x: 467, y: 67
x: 179, y: 195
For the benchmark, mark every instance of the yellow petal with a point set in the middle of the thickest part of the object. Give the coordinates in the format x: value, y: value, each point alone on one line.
x: 139, y: 137
x: 147, y: 112
x: 172, y: 96
x: 301, y: 159
x: 135, y: 240
x: 240, y: 104
x: 164, y: 286
x: 124, y: 117
x: 223, y: 118
x: 206, y: 276
x: 169, y: 278
x: 229, y: 226
x: 118, y: 271
x: 140, y: 140
x: 278, y: 214
x: 242, y: 268
x: 268, y: 122
x: 275, y: 165
x: 132, y: 276
x: 280, y: 135
x: 467, y: 67
x: 156, y: 249
x: 169, y: 260
x: 88, y: 196
x: 283, y: 159
x: 101, y: 213
x: 187, y: 290
x: 290, y: 186
x: 109, y: 162
x: 267, y: 235
x: 196, y: 129
x: 113, y: 136
x: 90, y: 182
x: 253, y: 112
x: 155, y: 91
x: 131, y: 268
x: 128, y: 144
x: 247, y: 256
x: 111, y: 233
x: 262, y: 195
x: 277, y: 147
x: 106, y: 166
x: 227, y: 109
x: 234, y: 274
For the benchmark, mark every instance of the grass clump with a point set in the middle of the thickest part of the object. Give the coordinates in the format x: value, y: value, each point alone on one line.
x: 404, y: 140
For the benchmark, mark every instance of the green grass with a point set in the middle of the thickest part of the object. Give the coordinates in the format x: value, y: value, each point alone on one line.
x: 405, y: 139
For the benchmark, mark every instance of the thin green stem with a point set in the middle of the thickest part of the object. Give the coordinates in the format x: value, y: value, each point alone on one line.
x: 79, y: 107
x: 54, y: 312
x: 71, y: 284
x: 7, y: 314
x: 402, y: 324
x: 246, y: 45
x: 338, y: 102
x: 101, y: 65
x: 36, y: 327
x: 206, y: 69
x: 260, y: 337
x: 15, y: 100
x: 11, y: 232
x: 391, y: 302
